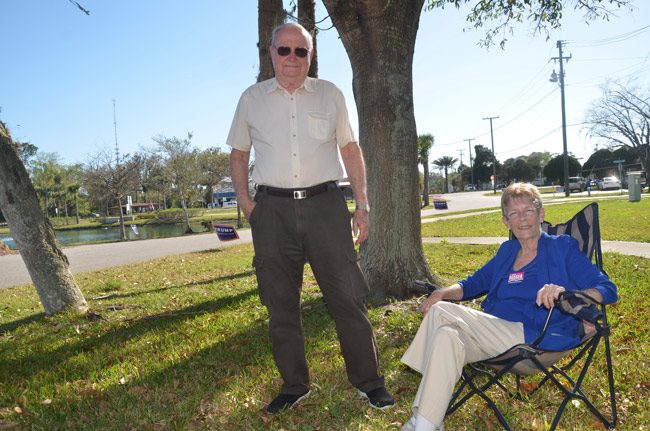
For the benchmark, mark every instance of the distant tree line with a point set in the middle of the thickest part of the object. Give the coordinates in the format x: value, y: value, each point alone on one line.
x: 173, y: 173
x: 543, y: 167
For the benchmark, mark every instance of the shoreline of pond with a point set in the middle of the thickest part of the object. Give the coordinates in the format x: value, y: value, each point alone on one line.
x: 98, y: 233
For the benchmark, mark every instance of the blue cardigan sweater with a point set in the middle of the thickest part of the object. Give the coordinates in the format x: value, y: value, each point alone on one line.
x: 560, y: 262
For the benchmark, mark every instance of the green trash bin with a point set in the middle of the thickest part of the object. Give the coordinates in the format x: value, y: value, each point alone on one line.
x: 634, y: 186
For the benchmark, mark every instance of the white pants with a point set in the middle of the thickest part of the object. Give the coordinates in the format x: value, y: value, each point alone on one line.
x: 449, y: 337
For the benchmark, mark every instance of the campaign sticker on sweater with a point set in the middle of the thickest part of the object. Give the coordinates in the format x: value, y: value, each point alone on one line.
x: 516, y: 277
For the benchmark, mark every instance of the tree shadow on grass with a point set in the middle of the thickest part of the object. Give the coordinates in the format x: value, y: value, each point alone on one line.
x: 209, y: 389
x: 163, y: 289
x: 11, y: 326
x: 24, y: 367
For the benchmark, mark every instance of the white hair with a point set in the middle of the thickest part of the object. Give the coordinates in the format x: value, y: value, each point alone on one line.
x: 303, y: 30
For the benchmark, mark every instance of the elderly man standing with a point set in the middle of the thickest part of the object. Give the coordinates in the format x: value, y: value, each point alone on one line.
x: 297, y: 125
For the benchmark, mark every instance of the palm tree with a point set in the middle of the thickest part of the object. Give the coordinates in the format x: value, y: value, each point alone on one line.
x: 425, y: 142
x: 445, y: 162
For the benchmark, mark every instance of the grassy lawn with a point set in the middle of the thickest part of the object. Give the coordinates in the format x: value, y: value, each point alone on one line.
x: 619, y: 220
x: 181, y: 343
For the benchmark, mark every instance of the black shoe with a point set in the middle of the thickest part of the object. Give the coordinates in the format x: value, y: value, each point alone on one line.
x: 285, y: 401
x: 378, y: 398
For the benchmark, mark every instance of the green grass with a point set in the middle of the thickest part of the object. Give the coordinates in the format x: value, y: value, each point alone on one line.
x: 445, y: 214
x: 619, y: 220
x: 181, y: 343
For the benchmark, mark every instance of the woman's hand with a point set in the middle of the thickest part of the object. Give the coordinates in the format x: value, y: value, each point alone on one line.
x: 449, y: 293
x: 435, y: 297
x: 547, y: 295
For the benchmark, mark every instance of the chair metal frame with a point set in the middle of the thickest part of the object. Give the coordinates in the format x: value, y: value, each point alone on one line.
x: 527, y: 359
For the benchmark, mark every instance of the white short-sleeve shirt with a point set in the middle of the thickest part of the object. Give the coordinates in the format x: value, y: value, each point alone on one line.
x: 295, y: 136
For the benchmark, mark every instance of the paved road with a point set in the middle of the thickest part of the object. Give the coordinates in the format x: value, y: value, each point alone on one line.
x: 98, y: 256
x: 92, y: 257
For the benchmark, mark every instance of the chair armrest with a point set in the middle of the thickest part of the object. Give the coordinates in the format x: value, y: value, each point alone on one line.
x: 424, y: 287
x: 580, y: 305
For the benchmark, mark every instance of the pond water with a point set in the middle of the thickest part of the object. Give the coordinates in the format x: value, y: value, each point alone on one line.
x: 112, y: 233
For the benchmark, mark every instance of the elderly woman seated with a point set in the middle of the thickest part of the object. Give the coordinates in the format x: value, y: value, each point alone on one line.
x: 521, y: 283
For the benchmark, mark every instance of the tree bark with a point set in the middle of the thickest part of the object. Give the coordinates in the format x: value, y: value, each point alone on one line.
x: 118, y: 199
x: 307, y: 18
x: 379, y: 38
x: 76, y: 206
x: 186, y: 216
x: 270, y: 14
x: 47, y: 265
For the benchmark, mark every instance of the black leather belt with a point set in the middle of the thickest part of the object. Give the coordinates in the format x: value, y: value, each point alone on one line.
x: 297, y: 193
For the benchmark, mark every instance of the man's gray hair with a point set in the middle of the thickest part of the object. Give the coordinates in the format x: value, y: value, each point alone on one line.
x: 303, y: 30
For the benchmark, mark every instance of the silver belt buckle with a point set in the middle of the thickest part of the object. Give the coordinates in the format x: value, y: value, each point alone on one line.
x: 300, y: 194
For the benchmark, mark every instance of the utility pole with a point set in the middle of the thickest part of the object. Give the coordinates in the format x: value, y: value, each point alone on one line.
x: 554, y: 78
x: 461, y: 152
x: 494, y: 162
x: 471, y: 167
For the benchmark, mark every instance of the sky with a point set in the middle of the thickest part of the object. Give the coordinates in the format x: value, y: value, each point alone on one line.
x: 74, y: 84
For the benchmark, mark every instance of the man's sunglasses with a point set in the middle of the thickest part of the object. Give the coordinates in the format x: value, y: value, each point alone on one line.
x: 283, y: 51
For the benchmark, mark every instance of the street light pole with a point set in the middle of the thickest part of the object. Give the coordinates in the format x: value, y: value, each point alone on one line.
x: 494, y: 162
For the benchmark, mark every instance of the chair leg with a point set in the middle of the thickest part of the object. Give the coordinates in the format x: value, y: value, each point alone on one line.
x: 610, y: 378
x: 576, y: 391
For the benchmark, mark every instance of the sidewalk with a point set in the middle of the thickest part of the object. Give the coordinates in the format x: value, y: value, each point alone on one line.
x: 93, y: 257
x: 641, y: 249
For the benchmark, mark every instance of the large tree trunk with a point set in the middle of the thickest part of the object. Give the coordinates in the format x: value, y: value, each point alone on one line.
x: 34, y: 236
x: 270, y: 14
x: 307, y: 18
x: 379, y: 38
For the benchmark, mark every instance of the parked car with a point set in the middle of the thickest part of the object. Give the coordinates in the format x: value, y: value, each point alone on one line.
x: 470, y: 188
x: 576, y: 183
x: 609, y: 183
x: 230, y: 204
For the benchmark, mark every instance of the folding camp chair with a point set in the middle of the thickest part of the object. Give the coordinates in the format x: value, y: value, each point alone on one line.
x: 528, y: 359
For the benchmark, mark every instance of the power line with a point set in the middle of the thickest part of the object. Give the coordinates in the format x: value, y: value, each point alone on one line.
x: 537, y: 82
x: 546, y: 96
x: 530, y: 108
x: 608, y: 40
x: 524, y: 91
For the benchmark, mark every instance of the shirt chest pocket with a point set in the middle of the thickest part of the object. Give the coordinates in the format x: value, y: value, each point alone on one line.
x: 319, y: 125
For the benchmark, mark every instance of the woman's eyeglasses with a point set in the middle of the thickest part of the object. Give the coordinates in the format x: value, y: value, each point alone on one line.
x: 283, y: 51
x: 526, y: 213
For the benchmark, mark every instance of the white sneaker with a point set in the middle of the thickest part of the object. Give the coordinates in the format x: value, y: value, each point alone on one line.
x: 410, y: 425
x: 420, y: 423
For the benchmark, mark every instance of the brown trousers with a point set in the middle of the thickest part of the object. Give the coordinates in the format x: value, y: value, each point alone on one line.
x: 287, y: 233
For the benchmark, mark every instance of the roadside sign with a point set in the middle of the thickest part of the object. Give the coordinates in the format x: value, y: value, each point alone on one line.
x: 225, y: 232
